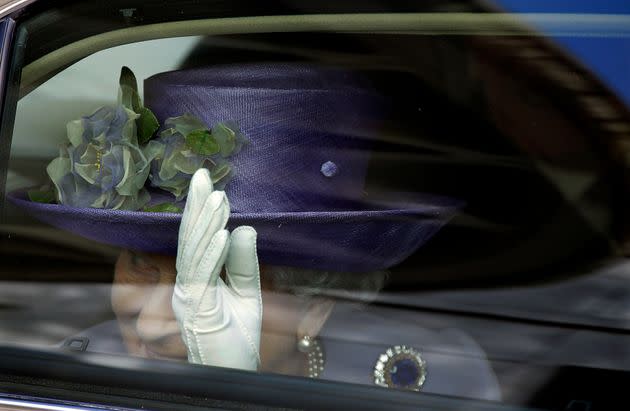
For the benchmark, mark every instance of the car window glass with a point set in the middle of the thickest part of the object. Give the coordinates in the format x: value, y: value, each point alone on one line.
x: 438, y: 209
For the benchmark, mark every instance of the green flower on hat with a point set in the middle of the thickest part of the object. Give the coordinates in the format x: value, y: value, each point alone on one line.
x: 102, y: 166
x: 111, y: 154
x: 187, y: 145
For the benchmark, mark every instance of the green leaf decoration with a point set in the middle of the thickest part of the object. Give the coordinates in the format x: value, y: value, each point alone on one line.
x: 202, y: 142
x: 220, y: 172
x: 185, y: 124
x: 128, y: 94
x: 147, y: 125
x: 46, y: 196
x: 163, y: 208
x: 130, y: 98
x: 127, y: 78
x: 226, y: 137
x: 125, y: 97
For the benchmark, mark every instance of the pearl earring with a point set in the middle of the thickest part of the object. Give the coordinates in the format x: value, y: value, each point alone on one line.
x: 305, y: 344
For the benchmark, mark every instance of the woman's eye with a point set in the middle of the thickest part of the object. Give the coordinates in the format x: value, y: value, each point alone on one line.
x: 138, y: 261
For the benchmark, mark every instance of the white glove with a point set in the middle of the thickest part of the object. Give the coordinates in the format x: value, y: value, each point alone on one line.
x: 220, y: 323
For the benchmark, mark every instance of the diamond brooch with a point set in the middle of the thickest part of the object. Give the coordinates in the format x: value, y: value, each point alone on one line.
x: 400, y: 367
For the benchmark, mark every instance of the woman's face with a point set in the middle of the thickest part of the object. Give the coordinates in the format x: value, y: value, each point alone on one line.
x: 141, y: 300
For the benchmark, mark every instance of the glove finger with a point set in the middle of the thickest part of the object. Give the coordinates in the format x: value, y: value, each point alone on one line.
x: 206, y: 274
x: 195, y: 229
x: 199, y: 190
x: 242, y: 268
x: 213, y: 217
x: 209, y: 224
x: 210, y: 269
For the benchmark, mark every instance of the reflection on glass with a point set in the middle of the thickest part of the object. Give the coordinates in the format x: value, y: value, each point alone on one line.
x: 374, y: 167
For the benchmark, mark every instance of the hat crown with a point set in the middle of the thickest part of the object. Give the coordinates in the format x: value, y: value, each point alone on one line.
x: 309, y: 130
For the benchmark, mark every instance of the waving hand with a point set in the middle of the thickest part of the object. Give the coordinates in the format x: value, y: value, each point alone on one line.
x: 220, y: 320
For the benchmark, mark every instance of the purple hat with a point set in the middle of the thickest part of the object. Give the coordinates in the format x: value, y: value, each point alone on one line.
x: 299, y: 181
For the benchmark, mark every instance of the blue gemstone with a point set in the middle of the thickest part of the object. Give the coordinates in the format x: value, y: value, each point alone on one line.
x: 404, y: 372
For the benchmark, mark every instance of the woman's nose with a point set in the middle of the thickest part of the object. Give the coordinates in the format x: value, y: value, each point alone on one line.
x: 156, y: 318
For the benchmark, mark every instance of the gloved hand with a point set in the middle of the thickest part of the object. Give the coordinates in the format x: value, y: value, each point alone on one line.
x: 220, y: 323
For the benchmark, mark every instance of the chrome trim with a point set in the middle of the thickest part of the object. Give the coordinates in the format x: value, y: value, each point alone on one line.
x: 13, y: 6
x: 28, y: 403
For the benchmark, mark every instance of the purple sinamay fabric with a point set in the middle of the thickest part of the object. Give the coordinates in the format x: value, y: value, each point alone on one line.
x: 349, y: 241
x: 299, y: 181
x: 296, y: 119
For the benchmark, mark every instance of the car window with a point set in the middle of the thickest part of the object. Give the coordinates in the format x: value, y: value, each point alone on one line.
x: 427, y: 199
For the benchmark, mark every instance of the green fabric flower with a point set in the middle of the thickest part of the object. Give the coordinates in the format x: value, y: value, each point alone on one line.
x: 187, y: 145
x: 102, y: 166
x: 111, y: 153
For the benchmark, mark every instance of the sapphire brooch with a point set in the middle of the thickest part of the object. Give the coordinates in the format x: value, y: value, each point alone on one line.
x: 400, y: 367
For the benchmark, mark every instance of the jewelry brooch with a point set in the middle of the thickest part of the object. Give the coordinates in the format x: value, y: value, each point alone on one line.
x: 400, y: 367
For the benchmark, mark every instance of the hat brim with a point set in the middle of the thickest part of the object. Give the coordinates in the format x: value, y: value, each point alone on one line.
x: 352, y: 241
